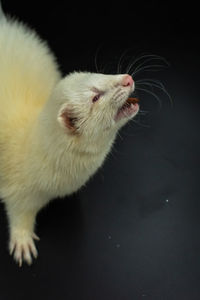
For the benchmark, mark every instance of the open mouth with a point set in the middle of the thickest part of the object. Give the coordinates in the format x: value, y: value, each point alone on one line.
x: 128, y: 109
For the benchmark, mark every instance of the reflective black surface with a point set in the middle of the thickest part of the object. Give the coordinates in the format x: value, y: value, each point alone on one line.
x: 133, y: 231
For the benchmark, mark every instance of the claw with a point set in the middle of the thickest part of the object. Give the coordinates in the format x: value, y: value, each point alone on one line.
x: 20, y: 262
x: 33, y: 249
x: 12, y: 247
x: 22, y: 248
x: 35, y: 237
x: 27, y: 255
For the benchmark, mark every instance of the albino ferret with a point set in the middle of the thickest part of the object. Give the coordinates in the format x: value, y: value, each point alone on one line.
x: 54, y: 132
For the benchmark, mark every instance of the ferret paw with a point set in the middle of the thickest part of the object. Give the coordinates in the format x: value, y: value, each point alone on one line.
x: 22, y: 247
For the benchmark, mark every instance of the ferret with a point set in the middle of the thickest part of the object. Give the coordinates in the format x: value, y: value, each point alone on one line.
x: 55, y: 132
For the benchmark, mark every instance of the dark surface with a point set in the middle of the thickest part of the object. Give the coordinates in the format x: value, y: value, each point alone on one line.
x: 133, y: 231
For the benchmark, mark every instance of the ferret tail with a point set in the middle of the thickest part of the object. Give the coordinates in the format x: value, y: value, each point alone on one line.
x: 2, y: 15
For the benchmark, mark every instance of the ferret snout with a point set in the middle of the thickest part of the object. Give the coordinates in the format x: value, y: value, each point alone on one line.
x: 127, y: 80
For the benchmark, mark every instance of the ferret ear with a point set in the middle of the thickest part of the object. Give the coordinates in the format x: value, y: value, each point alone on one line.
x: 66, y: 118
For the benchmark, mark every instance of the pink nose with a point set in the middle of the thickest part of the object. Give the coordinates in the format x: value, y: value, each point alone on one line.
x: 127, y: 80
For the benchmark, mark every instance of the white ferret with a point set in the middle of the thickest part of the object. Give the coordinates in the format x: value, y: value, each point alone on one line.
x: 54, y: 132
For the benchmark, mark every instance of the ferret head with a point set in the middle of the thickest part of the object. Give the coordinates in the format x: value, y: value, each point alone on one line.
x: 93, y: 105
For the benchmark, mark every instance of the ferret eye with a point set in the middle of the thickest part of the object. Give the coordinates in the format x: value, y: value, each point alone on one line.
x: 96, y: 98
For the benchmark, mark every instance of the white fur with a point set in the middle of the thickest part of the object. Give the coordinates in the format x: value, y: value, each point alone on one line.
x: 40, y: 157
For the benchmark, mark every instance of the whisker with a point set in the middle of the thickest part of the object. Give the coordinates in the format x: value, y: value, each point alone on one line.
x: 145, y: 61
x: 95, y: 60
x: 143, y: 112
x: 120, y: 136
x: 157, y: 84
x: 140, y: 124
x: 153, y: 56
x: 119, y: 65
x: 151, y: 81
x: 103, y: 70
x: 98, y: 69
x: 151, y: 93
x: 148, y: 68
x: 150, y: 57
x: 130, y: 66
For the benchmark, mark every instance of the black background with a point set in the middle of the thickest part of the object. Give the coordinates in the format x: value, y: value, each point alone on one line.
x: 133, y: 231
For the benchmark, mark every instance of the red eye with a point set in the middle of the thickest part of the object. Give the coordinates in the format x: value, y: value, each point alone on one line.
x: 96, y: 98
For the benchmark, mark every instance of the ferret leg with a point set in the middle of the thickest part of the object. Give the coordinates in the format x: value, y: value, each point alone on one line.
x: 21, y: 224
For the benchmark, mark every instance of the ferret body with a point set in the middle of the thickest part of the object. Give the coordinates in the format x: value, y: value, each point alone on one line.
x: 54, y: 132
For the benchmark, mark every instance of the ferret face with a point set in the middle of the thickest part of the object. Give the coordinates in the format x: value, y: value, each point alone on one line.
x: 93, y: 104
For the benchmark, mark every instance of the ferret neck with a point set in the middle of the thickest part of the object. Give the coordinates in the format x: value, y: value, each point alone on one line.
x: 51, y: 138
